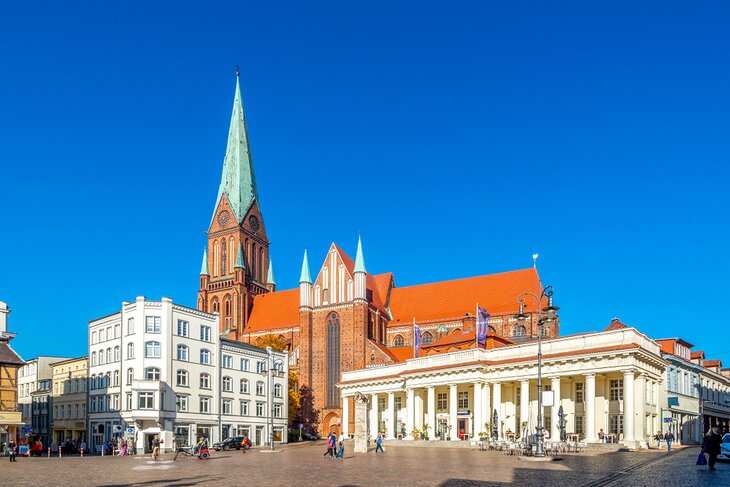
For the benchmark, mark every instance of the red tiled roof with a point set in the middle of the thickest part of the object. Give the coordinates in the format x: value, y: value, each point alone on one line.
x: 712, y: 363
x: 615, y: 325
x: 275, y: 310
x: 697, y: 354
x: 402, y: 354
x: 384, y: 349
x: 346, y: 259
x: 497, y: 293
x: 667, y: 345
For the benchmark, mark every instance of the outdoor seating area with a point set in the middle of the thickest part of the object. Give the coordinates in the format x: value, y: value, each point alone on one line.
x: 520, y: 448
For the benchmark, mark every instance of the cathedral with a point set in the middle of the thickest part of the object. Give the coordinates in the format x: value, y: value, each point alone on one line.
x: 345, y: 318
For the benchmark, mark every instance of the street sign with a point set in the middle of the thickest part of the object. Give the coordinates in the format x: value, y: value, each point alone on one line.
x: 667, y: 420
x: 130, y: 431
x: 26, y: 430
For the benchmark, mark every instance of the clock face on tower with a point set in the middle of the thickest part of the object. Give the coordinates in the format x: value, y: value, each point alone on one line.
x: 223, y: 217
x: 254, y: 223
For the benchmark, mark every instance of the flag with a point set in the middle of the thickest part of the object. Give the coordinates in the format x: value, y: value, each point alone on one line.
x: 482, y: 325
x: 416, y: 339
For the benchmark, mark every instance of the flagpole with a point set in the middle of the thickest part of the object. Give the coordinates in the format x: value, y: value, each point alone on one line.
x: 476, y: 327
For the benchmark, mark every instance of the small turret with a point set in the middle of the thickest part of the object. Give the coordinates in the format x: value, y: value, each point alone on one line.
x: 270, y: 283
x: 305, y: 284
x: 360, y: 274
x: 204, y: 273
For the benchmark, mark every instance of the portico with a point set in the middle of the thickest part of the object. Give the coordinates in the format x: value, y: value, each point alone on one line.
x: 604, y: 381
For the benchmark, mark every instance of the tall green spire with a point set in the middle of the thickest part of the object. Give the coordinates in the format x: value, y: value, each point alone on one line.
x: 204, y: 266
x: 359, y: 259
x: 270, y: 276
x: 238, y: 182
x: 305, y: 270
x: 239, y: 258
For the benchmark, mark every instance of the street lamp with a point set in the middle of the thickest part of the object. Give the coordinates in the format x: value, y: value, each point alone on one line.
x: 273, y: 367
x: 549, y: 317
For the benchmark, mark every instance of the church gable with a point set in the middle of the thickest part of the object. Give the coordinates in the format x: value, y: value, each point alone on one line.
x: 223, y: 217
x: 334, y: 283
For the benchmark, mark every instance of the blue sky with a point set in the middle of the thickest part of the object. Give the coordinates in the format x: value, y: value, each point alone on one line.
x: 457, y: 137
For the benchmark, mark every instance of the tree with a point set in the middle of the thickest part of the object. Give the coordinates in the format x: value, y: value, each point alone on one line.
x: 276, y: 343
x: 295, y: 402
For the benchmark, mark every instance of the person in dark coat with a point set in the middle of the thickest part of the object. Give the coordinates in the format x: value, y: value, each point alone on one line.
x: 711, y: 446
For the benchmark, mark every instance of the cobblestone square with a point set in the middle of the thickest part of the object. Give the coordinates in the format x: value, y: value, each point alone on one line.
x: 304, y: 464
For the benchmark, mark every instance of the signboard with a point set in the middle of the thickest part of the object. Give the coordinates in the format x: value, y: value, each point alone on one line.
x: 547, y: 398
x: 26, y: 430
x: 667, y: 420
x: 130, y: 431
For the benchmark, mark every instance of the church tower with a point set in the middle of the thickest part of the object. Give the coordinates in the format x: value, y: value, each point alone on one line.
x: 236, y: 260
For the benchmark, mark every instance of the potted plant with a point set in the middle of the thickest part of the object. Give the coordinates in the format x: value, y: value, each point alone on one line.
x: 424, y: 432
x: 416, y: 434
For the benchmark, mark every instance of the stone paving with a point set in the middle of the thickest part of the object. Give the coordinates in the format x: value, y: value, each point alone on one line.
x: 303, y: 464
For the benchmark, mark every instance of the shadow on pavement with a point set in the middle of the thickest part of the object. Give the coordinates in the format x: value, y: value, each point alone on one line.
x: 172, y: 482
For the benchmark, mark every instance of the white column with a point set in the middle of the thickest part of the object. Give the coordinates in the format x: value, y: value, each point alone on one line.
x: 639, y: 401
x: 486, y: 404
x: 477, y: 413
x: 418, y: 408
x: 497, y: 404
x: 390, y: 426
x: 452, y: 410
x: 628, y: 405
x: 524, y: 406
x: 345, y: 420
x: 555, y: 421
x: 373, y: 415
x: 590, y: 407
x: 431, y: 404
x: 410, y: 413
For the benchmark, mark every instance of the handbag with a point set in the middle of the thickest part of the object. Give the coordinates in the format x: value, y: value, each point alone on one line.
x: 701, y: 460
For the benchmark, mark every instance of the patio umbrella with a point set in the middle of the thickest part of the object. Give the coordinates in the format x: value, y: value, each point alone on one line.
x: 561, y: 416
x: 495, y: 426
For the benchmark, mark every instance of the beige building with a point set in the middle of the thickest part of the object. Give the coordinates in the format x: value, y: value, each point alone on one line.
x: 69, y: 399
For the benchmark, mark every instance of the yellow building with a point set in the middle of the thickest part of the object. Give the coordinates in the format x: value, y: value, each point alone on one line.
x: 69, y: 400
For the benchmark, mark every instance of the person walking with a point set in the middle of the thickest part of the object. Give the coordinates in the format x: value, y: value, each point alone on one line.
x: 12, y: 451
x: 711, y: 446
x: 330, y: 446
x: 379, y: 443
x: 658, y: 439
x: 340, y: 447
x: 669, y: 438
x: 155, y: 447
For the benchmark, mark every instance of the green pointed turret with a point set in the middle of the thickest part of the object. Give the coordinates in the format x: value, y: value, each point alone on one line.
x: 305, y: 270
x: 238, y: 182
x: 204, y: 265
x: 270, y: 276
x: 239, y: 258
x: 359, y: 259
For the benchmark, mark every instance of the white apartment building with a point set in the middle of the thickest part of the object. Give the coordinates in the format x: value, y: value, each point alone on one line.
x: 157, y: 368
x: 30, y: 376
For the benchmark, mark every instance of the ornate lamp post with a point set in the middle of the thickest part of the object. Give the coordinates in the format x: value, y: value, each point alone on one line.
x: 274, y: 367
x: 549, y: 317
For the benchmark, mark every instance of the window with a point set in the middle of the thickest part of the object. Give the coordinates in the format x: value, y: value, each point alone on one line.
x: 205, y: 381
x: 182, y: 353
x: 101, y: 357
x: 227, y: 406
x: 579, y: 425
x: 227, y: 362
x: 227, y: 384
x: 117, y: 332
x: 277, y: 390
x: 223, y: 257
x: 130, y: 350
x: 442, y: 403
x: 181, y: 404
x: 260, y: 409
x: 205, y: 333
x: 397, y: 403
x: 579, y: 393
x: 153, y: 324
x: 260, y: 367
x: 519, y: 331
x: 182, y: 328
x: 427, y: 338
x: 463, y: 401
x: 93, y: 405
x: 115, y: 403
x: 102, y: 335
x: 616, y: 390
x: 130, y: 376
x: 244, y: 408
x: 244, y: 386
x: 398, y: 341
x: 182, y: 378
x: 204, y: 404
x: 152, y: 373
x: 277, y: 410
x: 116, y: 378
x: 259, y: 388
x: 130, y: 327
x: 117, y: 354
x: 93, y: 361
x: 152, y: 350
x: 616, y: 424
x: 146, y: 400
x: 333, y: 360
x: 93, y: 339
x: 205, y: 357
x: 108, y: 355
x: 244, y: 364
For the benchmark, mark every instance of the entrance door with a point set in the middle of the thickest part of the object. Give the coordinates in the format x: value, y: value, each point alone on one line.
x: 259, y: 435
x: 442, y: 429
x: 148, y: 442
x: 226, y: 431
x: 461, y: 423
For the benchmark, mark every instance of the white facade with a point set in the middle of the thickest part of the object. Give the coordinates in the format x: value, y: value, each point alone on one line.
x: 155, y: 369
x: 680, y: 395
x: 606, y: 381
x: 30, y: 376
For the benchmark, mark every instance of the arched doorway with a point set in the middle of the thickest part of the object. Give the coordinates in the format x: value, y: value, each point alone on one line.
x: 330, y: 424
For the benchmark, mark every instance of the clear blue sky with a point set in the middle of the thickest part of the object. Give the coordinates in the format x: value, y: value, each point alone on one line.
x: 458, y: 137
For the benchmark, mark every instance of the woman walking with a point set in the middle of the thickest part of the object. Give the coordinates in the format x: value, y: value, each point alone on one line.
x: 711, y: 446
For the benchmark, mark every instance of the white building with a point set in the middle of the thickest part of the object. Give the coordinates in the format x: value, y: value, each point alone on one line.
x: 157, y: 368
x: 30, y: 376
x: 680, y: 392
x: 606, y: 382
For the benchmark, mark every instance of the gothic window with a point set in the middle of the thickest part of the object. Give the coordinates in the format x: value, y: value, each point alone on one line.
x: 253, y: 260
x: 325, y: 296
x: 333, y: 359
x: 227, y: 313
x: 427, y: 338
x: 215, y: 258
x: 519, y: 331
x: 262, y: 277
x: 398, y: 341
x: 216, y: 305
x: 224, y: 253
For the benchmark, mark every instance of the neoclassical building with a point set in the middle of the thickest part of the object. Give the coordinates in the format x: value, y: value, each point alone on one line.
x: 607, y: 382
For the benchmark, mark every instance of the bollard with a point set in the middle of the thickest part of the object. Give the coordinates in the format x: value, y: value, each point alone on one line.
x: 82, y: 452
x: 59, y: 451
x: 49, y: 452
x: 102, y: 450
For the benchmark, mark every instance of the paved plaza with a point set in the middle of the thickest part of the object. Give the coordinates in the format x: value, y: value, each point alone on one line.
x: 303, y: 464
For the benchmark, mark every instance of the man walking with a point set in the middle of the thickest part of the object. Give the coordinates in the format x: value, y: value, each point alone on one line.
x: 340, y: 447
x: 669, y: 438
x: 156, y: 448
x: 711, y: 446
x: 379, y: 443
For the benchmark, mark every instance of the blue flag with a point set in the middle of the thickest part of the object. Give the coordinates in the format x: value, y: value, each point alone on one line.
x: 417, y: 339
x: 482, y: 325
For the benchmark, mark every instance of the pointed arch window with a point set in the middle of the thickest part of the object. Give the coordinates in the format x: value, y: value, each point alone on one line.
x: 253, y: 260
x: 398, y: 341
x: 333, y: 359
x: 427, y: 338
x: 224, y: 255
x: 519, y: 331
x: 227, y: 311
x: 216, y: 305
x: 215, y: 258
